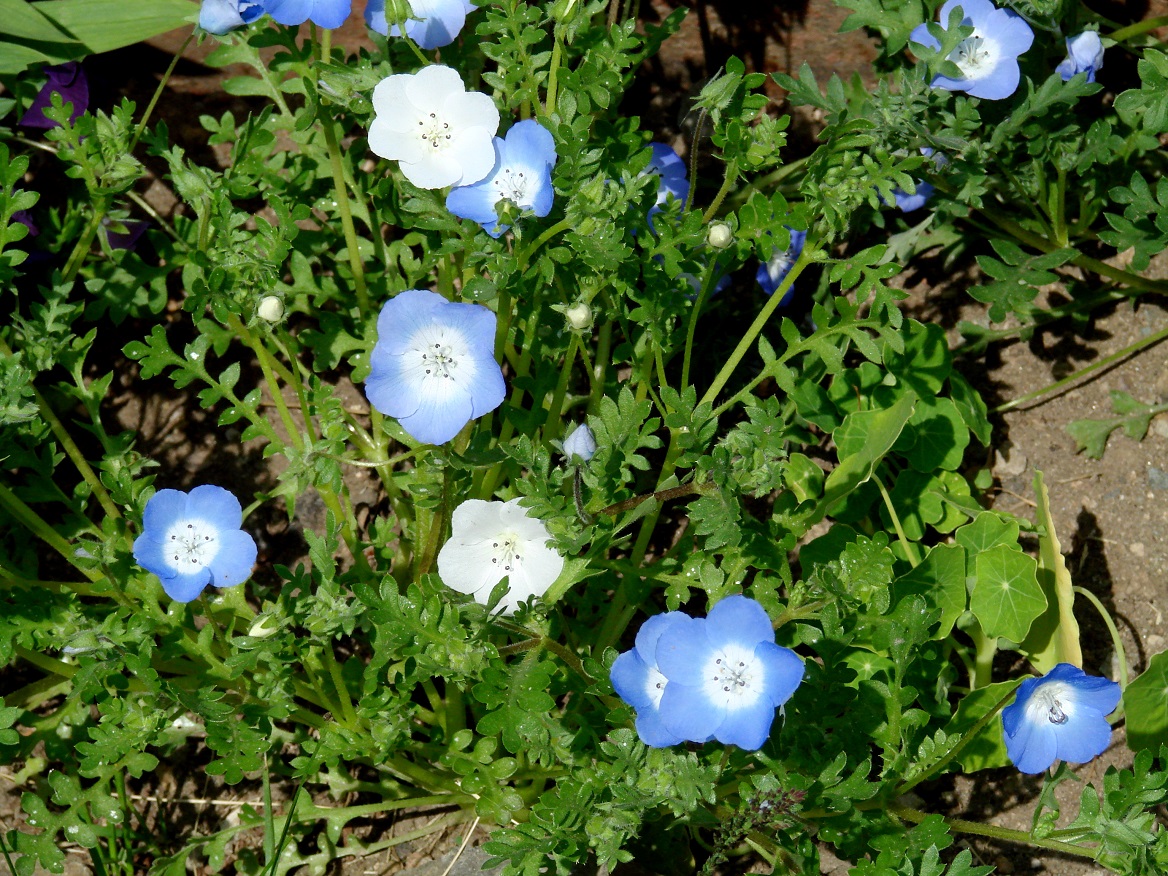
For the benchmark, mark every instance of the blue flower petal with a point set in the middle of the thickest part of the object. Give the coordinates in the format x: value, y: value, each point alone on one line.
x: 653, y: 732
x: 184, y: 588
x: 164, y: 507
x: 329, y: 14
x: 784, y: 671
x: 220, y: 16
x: 747, y: 728
x: 215, y: 505
x: 1089, y: 739
x: 629, y: 675
x: 738, y: 619
x: 235, y: 560
x: 1034, y: 749
x: 148, y: 553
x: 687, y: 711
x: 683, y: 650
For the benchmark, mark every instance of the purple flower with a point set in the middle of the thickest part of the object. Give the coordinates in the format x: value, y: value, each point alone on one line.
x: 637, y: 680
x: 719, y: 677
x: 328, y: 14
x: 1061, y: 716
x: 436, y: 23
x: 522, y: 174
x: 1084, y: 55
x: 24, y: 217
x: 771, y: 273
x: 127, y: 240
x: 987, y: 58
x: 190, y: 540
x: 433, y: 367
x: 220, y: 16
x: 67, y: 80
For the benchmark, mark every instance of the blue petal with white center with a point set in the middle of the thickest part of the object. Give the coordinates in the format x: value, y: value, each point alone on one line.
x: 725, y: 675
x: 637, y: 680
x: 522, y: 174
x: 1084, y: 55
x: 433, y: 367
x: 190, y: 540
x: 220, y: 16
x: 770, y: 274
x: 328, y: 14
x: 987, y: 58
x: 1061, y: 716
x: 435, y: 23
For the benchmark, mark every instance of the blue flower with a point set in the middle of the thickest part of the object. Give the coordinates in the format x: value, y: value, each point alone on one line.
x: 580, y: 444
x: 220, y: 16
x: 433, y: 367
x: 1061, y: 716
x: 436, y: 23
x: 1084, y: 55
x: 987, y: 58
x: 328, y: 14
x: 724, y: 675
x: 637, y: 680
x: 67, y: 80
x: 190, y: 540
x: 671, y: 179
x: 924, y: 190
x: 770, y: 274
x: 522, y: 174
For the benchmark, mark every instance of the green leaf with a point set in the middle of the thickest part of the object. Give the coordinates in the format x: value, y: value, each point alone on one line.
x: 1146, y: 705
x: 941, y: 436
x: 871, y: 436
x: 987, y: 748
x: 104, y: 25
x: 19, y: 19
x: 1054, y: 636
x: 940, y: 581
x: 1006, y: 596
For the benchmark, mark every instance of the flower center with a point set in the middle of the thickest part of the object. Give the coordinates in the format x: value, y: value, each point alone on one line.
x: 506, y: 549
x: 434, y: 131
x: 191, y: 545
x: 1051, y: 702
x: 971, y: 55
x: 734, y: 679
x: 438, y: 360
x: 512, y: 184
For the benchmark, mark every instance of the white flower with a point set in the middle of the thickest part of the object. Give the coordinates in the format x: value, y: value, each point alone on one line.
x: 441, y: 134
x: 493, y: 540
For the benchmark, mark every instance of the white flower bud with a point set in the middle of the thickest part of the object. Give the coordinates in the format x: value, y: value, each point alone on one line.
x: 263, y: 626
x: 581, y: 443
x: 271, y: 309
x: 579, y: 316
x: 720, y: 235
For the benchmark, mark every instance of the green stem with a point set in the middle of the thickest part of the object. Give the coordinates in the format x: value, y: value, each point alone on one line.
x: 910, y: 549
x: 1140, y: 27
x: 983, y: 662
x: 138, y: 131
x: 1149, y: 341
x: 81, y: 250
x: 338, y: 678
x: 350, y: 231
x: 554, y: 68
x: 961, y: 743
x: 728, y: 181
x: 1116, y: 641
x: 555, y: 419
x: 974, y: 828
x: 707, y: 284
x: 756, y: 327
x: 37, y: 526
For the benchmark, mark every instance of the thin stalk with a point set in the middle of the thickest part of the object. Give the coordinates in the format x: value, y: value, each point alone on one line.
x: 1116, y: 641
x: 350, y: 231
x: 983, y: 659
x: 756, y: 327
x: 334, y: 669
x: 600, y: 368
x: 691, y: 330
x: 267, y: 367
x: 974, y: 828
x: 138, y: 131
x: 554, y: 68
x: 728, y: 182
x: 910, y: 549
x: 1140, y: 27
x: 1143, y: 343
x: 35, y: 524
x: 81, y: 250
x: 555, y: 419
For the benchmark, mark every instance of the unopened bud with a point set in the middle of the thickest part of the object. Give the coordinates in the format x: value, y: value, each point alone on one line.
x: 263, y: 626
x: 579, y: 316
x: 720, y: 235
x: 271, y: 309
x: 581, y: 444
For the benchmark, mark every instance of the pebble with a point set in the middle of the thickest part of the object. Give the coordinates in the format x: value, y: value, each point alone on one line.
x: 1157, y: 478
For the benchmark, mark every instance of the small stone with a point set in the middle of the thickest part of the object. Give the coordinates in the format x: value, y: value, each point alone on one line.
x: 1136, y: 548
x: 1157, y: 478
x: 1011, y: 463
